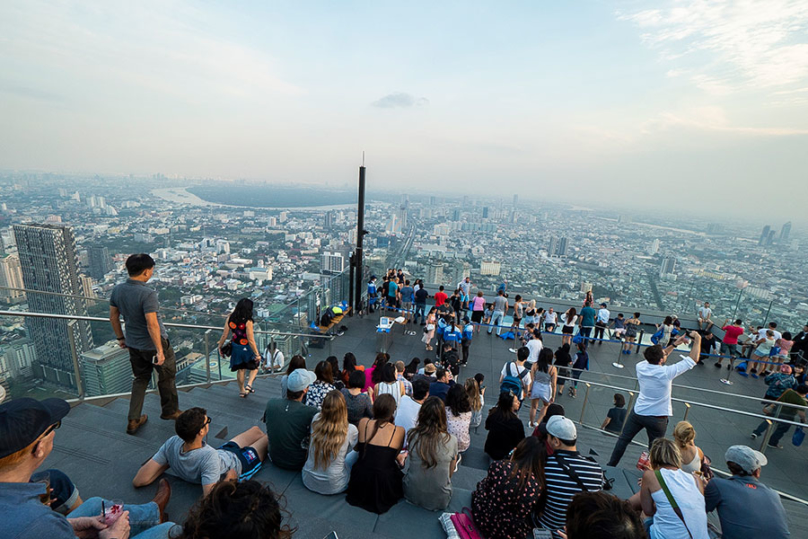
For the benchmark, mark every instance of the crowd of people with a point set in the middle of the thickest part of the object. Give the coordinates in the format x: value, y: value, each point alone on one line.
x: 394, y: 431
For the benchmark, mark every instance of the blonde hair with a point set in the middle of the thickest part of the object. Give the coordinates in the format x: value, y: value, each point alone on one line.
x: 665, y: 453
x: 473, y: 390
x: 684, y: 433
x: 329, y: 431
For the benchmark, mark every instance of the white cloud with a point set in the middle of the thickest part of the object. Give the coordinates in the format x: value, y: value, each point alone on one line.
x: 754, y: 44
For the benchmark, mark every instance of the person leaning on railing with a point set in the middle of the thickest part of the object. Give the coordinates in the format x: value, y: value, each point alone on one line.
x: 653, y: 406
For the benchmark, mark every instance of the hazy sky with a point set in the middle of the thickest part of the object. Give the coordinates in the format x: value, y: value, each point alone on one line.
x: 700, y: 102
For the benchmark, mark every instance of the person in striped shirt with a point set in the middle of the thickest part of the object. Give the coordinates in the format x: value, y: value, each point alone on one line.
x: 566, y: 472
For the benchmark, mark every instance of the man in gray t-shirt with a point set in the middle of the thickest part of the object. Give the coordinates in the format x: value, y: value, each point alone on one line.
x: 747, y: 508
x: 192, y: 460
x: 146, y: 339
x: 500, y: 310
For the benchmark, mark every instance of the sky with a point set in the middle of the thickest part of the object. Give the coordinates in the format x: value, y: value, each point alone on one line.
x: 626, y: 102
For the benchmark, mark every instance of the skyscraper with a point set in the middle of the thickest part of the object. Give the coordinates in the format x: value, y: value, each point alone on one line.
x: 668, y: 266
x: 329, y: 220
x: 785, y: 232
x: 333, y: 262
x: 562, y: 246
x: 106, y: 370
x: 515, y: 200
x: 49, y: 260
x: 764, y: 236
x: 99, y: 262
x: 552, y: 248
x: 485, y: 212
x: 11, y: 277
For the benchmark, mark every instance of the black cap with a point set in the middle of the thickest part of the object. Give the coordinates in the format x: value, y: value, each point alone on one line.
x: 24, y: 420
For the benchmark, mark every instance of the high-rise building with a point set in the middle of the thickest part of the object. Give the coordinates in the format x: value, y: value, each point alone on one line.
x: 10, y: 277
x: 515, y: 200
x: 552, y: 247
x: 456, y: 214
x: 434, y: 273
x: 86, y: 286
x: 100, y: 263
x: 485, y: 212
x: 333, y: 262
x: 764, y: 236
x: 490, y: 267
x: 562, y: 246
x: 586, y: 287
x: 328, y: 220
x: 402, y: 217
x: 49, y: 260
x: 106, y: 370
x: 16, y: 359
x: 785, y: 232
x: 654, y: 247
x: 433, y: 201
x: 668, y: 266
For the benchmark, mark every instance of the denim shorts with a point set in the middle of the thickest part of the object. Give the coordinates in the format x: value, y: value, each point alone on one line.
x: 248, y: 456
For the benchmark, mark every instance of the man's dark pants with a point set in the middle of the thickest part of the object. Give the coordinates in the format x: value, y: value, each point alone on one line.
x: 142, y: 367
x: 600, y: 329
x: 419, y: 312
x: 465, y: 345
x: 655, y: 427
x: 779, y: 430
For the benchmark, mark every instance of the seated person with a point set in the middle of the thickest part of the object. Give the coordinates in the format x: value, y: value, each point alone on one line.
x: 64, y: 495
x: 746, y: 507
x: 236, y: 511
x: 193, y: 460
x: 616, y: 416
x: 27, y: 434
x: 440, y: 387
x: 505, y: 429
x: 598, y: 515
x: 289, y: 423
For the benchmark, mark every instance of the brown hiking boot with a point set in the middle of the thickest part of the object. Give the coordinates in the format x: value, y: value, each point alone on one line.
x: 172, y: 417
x: 135, y: 424
x: 162, y: 497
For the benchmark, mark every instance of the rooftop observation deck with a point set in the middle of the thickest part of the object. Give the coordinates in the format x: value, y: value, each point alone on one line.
x: 102, y: 459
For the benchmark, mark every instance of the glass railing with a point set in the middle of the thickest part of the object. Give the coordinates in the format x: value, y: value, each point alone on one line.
x: 103, y: 369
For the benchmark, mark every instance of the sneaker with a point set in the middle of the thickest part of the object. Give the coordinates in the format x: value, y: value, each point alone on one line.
x: 718, y: 365
x: 729, y: 367
x: 774, y: 446
x: 754, y: 435
x: 457, y: 463
x: 512, y: 350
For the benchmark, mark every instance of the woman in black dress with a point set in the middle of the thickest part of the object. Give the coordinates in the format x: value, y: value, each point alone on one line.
x: 376, y: 478
x: 244, y: 354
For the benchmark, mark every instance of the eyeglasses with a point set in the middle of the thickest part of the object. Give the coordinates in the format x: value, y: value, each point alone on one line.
x: 51, y: 429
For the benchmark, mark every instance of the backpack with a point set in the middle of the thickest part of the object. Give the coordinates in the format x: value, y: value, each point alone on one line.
x: 512, y: 383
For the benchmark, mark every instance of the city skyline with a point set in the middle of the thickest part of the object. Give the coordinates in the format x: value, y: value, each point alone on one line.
x: 705, y: 102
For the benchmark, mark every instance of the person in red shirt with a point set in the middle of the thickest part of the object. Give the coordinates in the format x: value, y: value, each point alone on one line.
x: 440, y: 297
x: 729, y: 345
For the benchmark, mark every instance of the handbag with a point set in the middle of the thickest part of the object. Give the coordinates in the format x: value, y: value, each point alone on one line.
x: 227, y: 349
x: 672, y: 501
x: 464, y: 525
x: 798, y: 437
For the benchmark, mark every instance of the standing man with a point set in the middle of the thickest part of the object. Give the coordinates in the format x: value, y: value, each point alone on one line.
x: 587, y: 321
x: 465, y: 287
x: 704, y: 317
x: 465, y: 343
x: 406, y: 301
x: 729, y: 344
x: 420, y: 304
x: 146, y: 338
x: 602, y: 322
x: 653, y: 407
x: 441, y: 297
x: 500, y: 310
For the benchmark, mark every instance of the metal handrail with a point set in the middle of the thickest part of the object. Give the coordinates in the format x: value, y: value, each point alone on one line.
x: 167, y: 324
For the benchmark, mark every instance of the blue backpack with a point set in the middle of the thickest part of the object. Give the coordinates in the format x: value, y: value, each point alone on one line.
x: 512, y: 383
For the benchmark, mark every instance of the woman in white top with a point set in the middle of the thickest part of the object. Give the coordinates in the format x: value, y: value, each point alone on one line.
x: 685, y: 488
x: 667, y: 330
x: 389, y: 385
x: 685, y: 436
x: 761, y: 353
x: 331, y: 456
x: 569, y: 318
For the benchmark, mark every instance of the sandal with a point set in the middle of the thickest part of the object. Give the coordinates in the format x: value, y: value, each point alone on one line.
x: 249, y: 388
x: 243, y: 395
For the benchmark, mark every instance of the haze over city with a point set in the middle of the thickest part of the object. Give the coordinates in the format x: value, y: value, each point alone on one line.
x: 691, y: 103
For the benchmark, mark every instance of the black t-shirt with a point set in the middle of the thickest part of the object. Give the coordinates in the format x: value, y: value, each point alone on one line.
x: 617, y: 416
x: 421, y: 295
x: 503, y: 435
x: 385, y: 288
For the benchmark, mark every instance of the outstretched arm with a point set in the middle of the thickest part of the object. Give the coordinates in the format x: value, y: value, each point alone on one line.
x: 148, y: 473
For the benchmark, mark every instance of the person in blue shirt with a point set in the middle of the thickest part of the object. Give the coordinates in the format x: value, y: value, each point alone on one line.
x: 465, y: 342
x: 393, y: 295
x: 440, y: 328
x: 372, y: 294
x: 581, y: 363
x: 452, y: 334
x: 587, y: 321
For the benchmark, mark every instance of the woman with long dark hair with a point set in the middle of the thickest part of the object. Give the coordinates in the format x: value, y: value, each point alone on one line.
x: 563, y: 360
x: 505, y: 429
x: 328, y: 467
x: 570, y: 318
x: 503, y: 502
x: 349, y: 365
x: 336, y: 373
x: 373, y: 375
x: 432, y: 458
x: 389, y: 384
x: 297, y: 362
x: 458, y: 416
x: 375, y: 483
x: 244, y: 354
x: 321, y: 386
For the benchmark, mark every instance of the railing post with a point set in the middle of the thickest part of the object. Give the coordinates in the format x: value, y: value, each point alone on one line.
x: 207, y: 355
x: 628, y: 409
x: 617, y: 363
x: 586, y: 399
x: 726, y: 380
x: 764, y: 443
x: 687, y: 411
